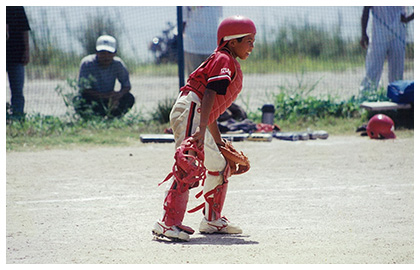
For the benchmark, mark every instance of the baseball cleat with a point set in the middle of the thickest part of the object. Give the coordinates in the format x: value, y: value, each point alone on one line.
x: 221, y: 225
x: 174, y: 233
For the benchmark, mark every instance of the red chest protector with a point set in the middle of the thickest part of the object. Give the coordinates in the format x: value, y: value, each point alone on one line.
x: 221, y: 102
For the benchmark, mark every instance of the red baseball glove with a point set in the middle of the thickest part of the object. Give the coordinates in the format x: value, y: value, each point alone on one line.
x: 238, y: 161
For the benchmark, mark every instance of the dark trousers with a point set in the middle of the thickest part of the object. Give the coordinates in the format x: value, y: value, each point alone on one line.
x: 16, y: 73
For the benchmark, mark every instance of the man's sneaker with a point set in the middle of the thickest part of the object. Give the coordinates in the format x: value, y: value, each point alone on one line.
x: 221, y: 225
x: 175, y: 233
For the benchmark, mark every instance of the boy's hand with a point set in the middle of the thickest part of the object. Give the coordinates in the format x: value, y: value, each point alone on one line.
x: 198, y: 136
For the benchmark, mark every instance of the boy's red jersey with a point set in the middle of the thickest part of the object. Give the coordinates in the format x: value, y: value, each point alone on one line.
x: 221, y: 65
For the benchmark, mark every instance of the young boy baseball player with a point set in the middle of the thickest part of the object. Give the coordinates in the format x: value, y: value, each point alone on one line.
x: 209, y: 91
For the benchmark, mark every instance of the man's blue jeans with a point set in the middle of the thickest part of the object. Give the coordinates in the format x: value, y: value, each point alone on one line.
x: 16, y: 73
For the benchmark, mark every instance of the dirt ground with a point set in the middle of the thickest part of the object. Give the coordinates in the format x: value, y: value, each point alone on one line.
x: 347, y: 199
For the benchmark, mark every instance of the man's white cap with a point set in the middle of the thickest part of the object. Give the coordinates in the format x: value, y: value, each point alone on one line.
x: 106, y: 43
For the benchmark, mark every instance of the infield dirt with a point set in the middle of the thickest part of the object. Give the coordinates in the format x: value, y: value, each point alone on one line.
x: 347, y: 199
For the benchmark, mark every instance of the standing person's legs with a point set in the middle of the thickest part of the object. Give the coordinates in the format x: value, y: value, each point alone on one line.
x: 396, y: 59
x: 16, y: 74
x: 375, y: 59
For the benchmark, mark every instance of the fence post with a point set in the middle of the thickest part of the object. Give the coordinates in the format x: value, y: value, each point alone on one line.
x: 180, y: 46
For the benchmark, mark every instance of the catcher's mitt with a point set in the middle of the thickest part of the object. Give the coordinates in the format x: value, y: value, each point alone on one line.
x: 238, y: 162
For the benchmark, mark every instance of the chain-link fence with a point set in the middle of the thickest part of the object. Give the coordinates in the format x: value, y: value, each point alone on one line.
x: 296, y: 48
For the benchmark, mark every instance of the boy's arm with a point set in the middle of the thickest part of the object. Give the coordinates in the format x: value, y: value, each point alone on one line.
x: 206, y: 106
x: 215, y: 132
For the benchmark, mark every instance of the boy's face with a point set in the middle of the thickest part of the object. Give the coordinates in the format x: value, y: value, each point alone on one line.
x: 244, y: 48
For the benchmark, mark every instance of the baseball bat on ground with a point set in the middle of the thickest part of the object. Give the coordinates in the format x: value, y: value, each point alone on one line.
x: 303, y: 136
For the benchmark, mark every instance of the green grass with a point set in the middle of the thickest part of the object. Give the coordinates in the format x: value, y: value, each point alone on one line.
x: 41, y: 132
x: 37, y: 133
x: 252, y: 65
x: 78, y: 138
x: 295, y: 110
x: 151, y: 69
x: 298, y: 64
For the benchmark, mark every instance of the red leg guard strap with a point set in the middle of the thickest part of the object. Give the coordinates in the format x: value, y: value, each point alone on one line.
x: 216, y: 173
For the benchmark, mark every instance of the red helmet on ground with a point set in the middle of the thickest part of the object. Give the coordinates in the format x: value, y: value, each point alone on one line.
x: 381, y: 126
x: 234, y: 27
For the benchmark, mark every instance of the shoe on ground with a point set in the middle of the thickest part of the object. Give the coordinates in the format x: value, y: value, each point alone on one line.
x: 221, y: 225
x: 175, y: 233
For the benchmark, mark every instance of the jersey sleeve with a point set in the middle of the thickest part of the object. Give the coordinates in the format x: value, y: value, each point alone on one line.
x: 220, y: 74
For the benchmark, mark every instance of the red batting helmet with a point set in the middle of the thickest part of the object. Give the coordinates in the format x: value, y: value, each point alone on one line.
x: 234, y: 27
x: 381, y: 126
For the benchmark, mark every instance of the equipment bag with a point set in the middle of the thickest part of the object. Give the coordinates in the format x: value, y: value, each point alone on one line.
x: 401, y: 91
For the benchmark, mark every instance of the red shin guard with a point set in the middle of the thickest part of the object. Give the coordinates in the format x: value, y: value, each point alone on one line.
x: 216, y: 202
x: 175, y: 204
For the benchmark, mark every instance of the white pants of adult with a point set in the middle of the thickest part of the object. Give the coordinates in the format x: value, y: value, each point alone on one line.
x: 387, y: 40
x: 394, y: 51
